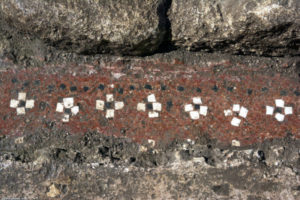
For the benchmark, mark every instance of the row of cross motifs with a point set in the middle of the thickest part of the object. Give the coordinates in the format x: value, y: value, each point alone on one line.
x: 195, y: 109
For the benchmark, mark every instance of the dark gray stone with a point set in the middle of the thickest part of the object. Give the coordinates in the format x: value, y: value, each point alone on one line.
x: 90, y: 26
x: 258, y: 27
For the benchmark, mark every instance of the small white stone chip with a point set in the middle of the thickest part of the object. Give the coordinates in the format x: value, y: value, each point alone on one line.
x: 21, y: 111
x: 288, y: 110
x: 109, y: 97
x: 157, y: 106
x: 199, y: 160
x: 235, y: 122
x: 269, y: 110
x: 197, y: 100
x: 227, y: 113
x: 153, y: 114
x: 19, y: 140
x: 151, y: 98
x: 151, y: 142
x: 29, y: 103
x: 100, y: 105
x: 22, y: 96
x: 236, y: 107
x: 110, y: 113
x: 59, y: 107
x: 66, y: 118
x: 235, y: 143
x: 111, y: 85
x: 243, y: 112
x: 14, y: 103
x: 203, y: 110
x: 75, y: 110
x: 188, y: 108
x: 68, y: 102
x: 141, y: 107
x: 279, y: 117
x: 279, y: 103
x: 119, y: 105
x: 194, y: 115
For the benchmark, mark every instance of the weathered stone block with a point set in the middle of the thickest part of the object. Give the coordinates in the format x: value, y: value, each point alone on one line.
x: 245, y: 27
x: 90, y: 26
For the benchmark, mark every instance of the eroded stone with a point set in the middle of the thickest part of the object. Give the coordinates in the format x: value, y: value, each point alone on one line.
x: 246, y: 26
x: 124, y: 26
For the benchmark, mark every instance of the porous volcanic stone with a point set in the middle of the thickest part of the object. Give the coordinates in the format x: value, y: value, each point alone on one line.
x: 90, y: 26
x: 270, y: 27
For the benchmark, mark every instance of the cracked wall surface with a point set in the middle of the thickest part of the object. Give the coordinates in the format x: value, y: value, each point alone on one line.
x: 149, y: 100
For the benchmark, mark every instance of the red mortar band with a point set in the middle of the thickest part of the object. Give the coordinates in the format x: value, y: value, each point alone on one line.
x: 152, y: 102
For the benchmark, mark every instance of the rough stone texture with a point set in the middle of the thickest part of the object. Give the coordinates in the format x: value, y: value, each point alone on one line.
x: 123, y: 26
x: 49, y: 162
x: 49, y: 165
x: 269, y: 27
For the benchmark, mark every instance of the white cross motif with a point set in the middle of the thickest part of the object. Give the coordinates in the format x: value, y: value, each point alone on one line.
x: 110, y: 106
x: 152, y: 106
x: 196, y: 108
x: 239, y: 111
x: 280, y: 110
x: 21, y: 104
x: 67, y: 107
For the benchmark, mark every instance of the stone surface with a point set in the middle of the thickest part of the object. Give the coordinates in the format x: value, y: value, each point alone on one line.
x: 53, y: 191
x: 89, y: 27
x: 76, y: 125
x: 268, y: 28
x: 244, y: 27
x: 57, y: 164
